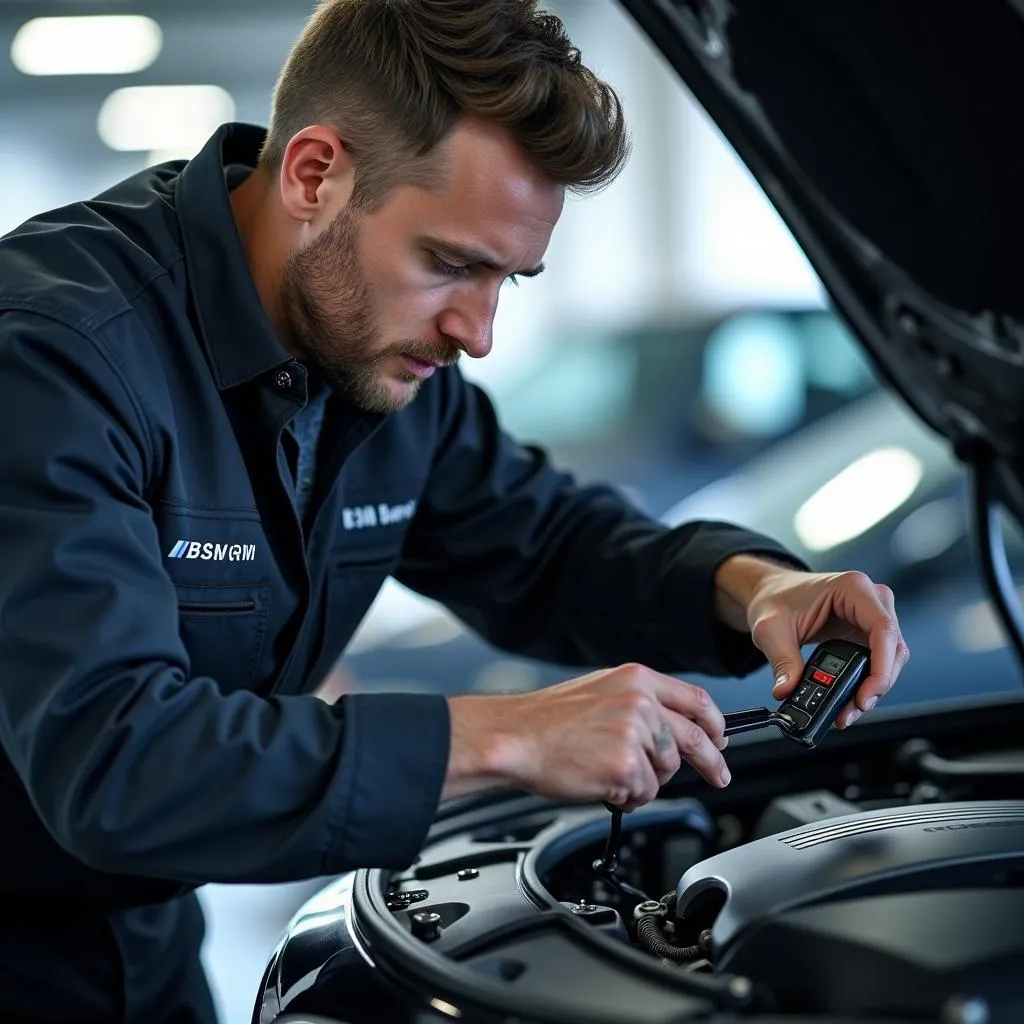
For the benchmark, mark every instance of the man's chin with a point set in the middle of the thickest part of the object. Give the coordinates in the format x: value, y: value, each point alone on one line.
x: 388, y: 393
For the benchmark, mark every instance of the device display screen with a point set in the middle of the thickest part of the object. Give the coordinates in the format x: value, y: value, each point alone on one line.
x: 831, y: 664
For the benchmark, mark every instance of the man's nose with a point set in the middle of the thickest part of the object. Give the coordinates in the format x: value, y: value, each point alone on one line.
x: 470, y: 322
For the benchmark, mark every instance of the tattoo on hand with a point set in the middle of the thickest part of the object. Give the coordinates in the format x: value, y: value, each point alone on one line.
x: 664, y: 740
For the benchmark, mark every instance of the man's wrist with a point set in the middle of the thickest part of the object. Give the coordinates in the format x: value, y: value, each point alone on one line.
x: 737, y: 581
x: 483, y: 754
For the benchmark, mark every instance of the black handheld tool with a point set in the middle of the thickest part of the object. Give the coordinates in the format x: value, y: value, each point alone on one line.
x: 831, y: 674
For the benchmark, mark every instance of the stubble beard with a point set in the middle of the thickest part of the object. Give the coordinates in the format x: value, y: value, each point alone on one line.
x: 332, y: 323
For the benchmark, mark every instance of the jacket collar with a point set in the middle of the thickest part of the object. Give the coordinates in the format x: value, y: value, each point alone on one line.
x: 240, y: 340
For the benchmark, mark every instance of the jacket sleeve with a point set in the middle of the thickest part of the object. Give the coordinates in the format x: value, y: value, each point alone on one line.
x: 133, y: 765
x: 574, y: 575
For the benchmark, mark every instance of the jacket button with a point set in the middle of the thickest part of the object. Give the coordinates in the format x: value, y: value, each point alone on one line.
x: 283, y: 380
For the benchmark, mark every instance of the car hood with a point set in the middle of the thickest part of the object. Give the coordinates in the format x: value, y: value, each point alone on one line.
x: 885, y: 135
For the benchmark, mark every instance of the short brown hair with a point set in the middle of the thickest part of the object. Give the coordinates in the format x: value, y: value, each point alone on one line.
x: 394, y: 76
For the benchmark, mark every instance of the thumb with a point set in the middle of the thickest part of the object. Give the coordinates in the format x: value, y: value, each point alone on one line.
x: 776, y: 638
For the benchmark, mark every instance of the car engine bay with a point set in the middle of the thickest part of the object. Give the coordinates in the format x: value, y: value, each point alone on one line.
x: 890, y: 891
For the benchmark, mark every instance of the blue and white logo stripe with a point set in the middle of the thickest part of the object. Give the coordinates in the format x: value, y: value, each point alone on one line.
x: 207, y: 551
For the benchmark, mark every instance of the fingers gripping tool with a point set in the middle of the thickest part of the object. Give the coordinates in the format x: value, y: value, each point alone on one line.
x: 831, y: 675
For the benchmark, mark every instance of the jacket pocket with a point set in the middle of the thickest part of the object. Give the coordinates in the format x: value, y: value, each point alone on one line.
x: 216, y: 608
x: 223, y: 628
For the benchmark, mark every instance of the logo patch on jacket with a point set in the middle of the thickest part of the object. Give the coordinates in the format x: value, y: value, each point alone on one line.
x: 208, y: 552
x: 364, y: 517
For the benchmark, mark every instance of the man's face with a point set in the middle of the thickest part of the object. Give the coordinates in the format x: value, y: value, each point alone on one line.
x: 377, y: 301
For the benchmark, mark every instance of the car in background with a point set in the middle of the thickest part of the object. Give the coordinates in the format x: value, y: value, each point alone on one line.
x: 768, y: 418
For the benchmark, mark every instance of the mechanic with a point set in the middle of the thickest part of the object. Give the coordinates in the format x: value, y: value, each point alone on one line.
x: 231, y: 409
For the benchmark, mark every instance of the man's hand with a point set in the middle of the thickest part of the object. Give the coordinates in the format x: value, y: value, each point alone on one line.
x: 616, y: 735
x: 785, y: 608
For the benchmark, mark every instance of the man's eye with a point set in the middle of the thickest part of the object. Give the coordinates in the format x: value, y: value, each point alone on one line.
x: 446, y: 269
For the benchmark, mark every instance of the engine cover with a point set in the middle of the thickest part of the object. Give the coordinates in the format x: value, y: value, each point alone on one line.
x: 908, y: 955
x: 881, y: 911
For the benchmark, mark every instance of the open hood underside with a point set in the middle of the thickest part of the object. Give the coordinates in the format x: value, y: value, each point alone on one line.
x: 886, y: 134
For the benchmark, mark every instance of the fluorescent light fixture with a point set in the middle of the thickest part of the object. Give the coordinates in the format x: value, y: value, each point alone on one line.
x: 163, y: 117
x: 859, y: 497
x: 93, y: 45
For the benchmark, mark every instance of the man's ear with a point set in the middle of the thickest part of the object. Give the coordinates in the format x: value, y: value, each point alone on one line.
x: 317, y: 175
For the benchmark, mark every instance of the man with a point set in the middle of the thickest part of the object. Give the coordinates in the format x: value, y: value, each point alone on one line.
x: 231, y: 409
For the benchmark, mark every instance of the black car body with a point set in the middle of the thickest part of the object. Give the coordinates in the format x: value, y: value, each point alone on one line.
x: 878, y: 878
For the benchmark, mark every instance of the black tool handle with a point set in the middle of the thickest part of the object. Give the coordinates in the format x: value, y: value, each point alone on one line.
x: 747, y: 721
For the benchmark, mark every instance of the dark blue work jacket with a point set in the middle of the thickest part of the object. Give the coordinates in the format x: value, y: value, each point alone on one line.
x: 163, y: 617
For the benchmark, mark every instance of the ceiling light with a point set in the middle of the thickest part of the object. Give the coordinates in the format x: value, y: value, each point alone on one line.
x: 163, y: 117
x: 857, y: 498
x: 94, y: 45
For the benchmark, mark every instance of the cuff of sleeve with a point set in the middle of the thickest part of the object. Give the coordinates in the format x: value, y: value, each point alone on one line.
x: 395, y: 759
x: 724, y: 651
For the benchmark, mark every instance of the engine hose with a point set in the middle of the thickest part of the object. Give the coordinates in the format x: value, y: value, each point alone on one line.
x: 649, y: 936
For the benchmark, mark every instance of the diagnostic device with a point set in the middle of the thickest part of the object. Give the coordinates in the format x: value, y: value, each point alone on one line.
x: 830, y: 676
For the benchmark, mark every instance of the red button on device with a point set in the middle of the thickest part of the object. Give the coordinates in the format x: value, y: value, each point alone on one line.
x: 823, y: 677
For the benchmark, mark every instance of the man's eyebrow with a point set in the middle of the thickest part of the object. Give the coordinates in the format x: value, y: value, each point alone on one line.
x: 476, y: 257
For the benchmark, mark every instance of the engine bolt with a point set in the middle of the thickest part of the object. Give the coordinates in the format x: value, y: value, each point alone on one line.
x: 426, y: 925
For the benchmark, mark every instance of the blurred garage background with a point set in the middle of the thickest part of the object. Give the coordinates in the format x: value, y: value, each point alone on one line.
x: 679, y: 345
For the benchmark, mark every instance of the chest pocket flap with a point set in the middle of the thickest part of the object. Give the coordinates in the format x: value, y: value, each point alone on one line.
x: 223, y: 627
